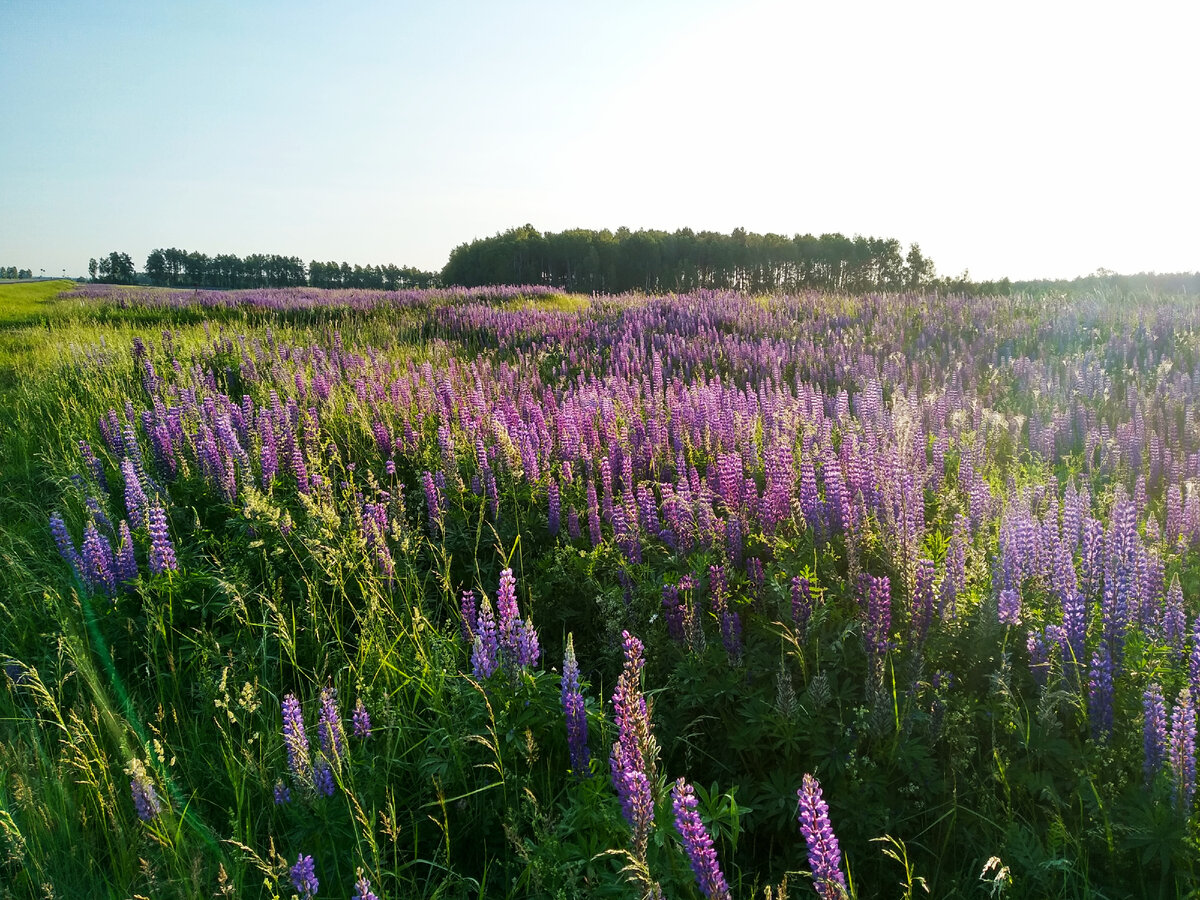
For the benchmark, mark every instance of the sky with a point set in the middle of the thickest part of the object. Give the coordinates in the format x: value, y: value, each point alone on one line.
x: 1024, y: 139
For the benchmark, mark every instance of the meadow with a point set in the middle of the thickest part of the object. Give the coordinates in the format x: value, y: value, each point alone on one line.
x: 502, y: 592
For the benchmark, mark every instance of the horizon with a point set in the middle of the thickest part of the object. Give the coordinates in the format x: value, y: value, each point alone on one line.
x: 1035, y: 146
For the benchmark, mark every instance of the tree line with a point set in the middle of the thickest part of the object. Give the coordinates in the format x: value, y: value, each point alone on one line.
x: 685, y: 260
x: 226, y: 271
x: 13, y: 273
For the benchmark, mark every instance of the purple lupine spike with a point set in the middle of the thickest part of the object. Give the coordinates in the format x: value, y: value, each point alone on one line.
x: 824, y: 854
x: 268, y: 451
x: 304, y: 877
x: 362, y: 889
x: 697, y: 843
x: 731, y: 623
x: 66, y: 547
x: 593, y: 514
x: 136, y: 502
x: 1008, y: 606
x: 634, y: 755
x: 673, y: 611
x: 921, y: 614
x: 145, y: 798
x: 1174, y: 618
x: 99, y: 564
x: 485, y: 654
x: 127, y: 569
x: 1100, y: 693
x: 879, y: 615
x: 507, y: 613
x: 573, y: 529
x: 295, y: 740
x: 1039, y: 656
x: 1154, y: 731
x: 283, y: 793
x: 94, y: 465
x: 553, y: 508
x: 162, y: 552
x: 574, y: 712
x: 361, y: 720
x: 1181, y: 752
x: 323, y: 779
x: 527, y: 650
x: 433, y: 502
x: 469, y: 617
x: 330, y: 733
x: 802, y: 602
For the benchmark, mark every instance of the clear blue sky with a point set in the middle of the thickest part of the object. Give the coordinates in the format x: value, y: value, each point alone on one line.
x: 1021, y: 139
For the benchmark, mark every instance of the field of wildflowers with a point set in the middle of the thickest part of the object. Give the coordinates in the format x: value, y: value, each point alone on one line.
x: 504, y: 593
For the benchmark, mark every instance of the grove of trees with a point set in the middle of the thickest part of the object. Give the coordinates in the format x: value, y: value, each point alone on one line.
x: 12, y: 272
x: 685, y: 260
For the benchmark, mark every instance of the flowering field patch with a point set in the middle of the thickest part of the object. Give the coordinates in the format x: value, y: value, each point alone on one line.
x: 499, y: 593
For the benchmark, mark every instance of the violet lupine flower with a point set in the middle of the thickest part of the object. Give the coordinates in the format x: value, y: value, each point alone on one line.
x: 66, y: 547
x: 802, y: 602
x: 304, y: 877
x: 361, y: 720
x: 162, y: 553
x: 673, y: 611
x: 433, y: 502
x: 1181, y: 752
x: 99, y: 564
x: 879, y: 615
x: 554, y: 508
x: 593, y: 514
x: 1039, y: 656
x: 1174, y: 617
x: 1100, y: 693
x: 295, y: 740
x: 323, y: 777
x: 922, y: 601
x: 469, y: 617
x: 634, y: 754
x: 362, y: 889
x: 1008, y: 607
x: 127, y: 569
x: 94, y: 465
x: 731, y: 623
x: 697, y: 843
x: 824, y: 854
x: 330, y: 734
x: 283, y: 793
x: 145, y: 798
x: 485, y: 655
x: 574, y: 711
x: 573, y: 529
x: 136, y: 502
x: 1154, y: 731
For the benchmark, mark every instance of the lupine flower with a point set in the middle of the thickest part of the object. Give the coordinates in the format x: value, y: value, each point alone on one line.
x: 634, y: 755
x: 1181, y: 752
x: 330, y: 734
x: 136, y: 502
x: 295, y: 739
x: 802, y: 602
x: 127, y: 569
x: 99, y: 564
x: 283, y: 793
x: 554, y: 508
x: 485, y: 655
x: 162, y: 553
x: 697, y: 843
x: 304, y: 877
x: 1008, y: 606
x: 145, y: 798
x: 574, y: 711
x: 1100, y: 693
x: 323, y: 779
x: 66, y: 547
x: 1154, y: 730
x: 824, y: 855
x: 362, y: 888
x: 361, y: 720
x: 879, y: 615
